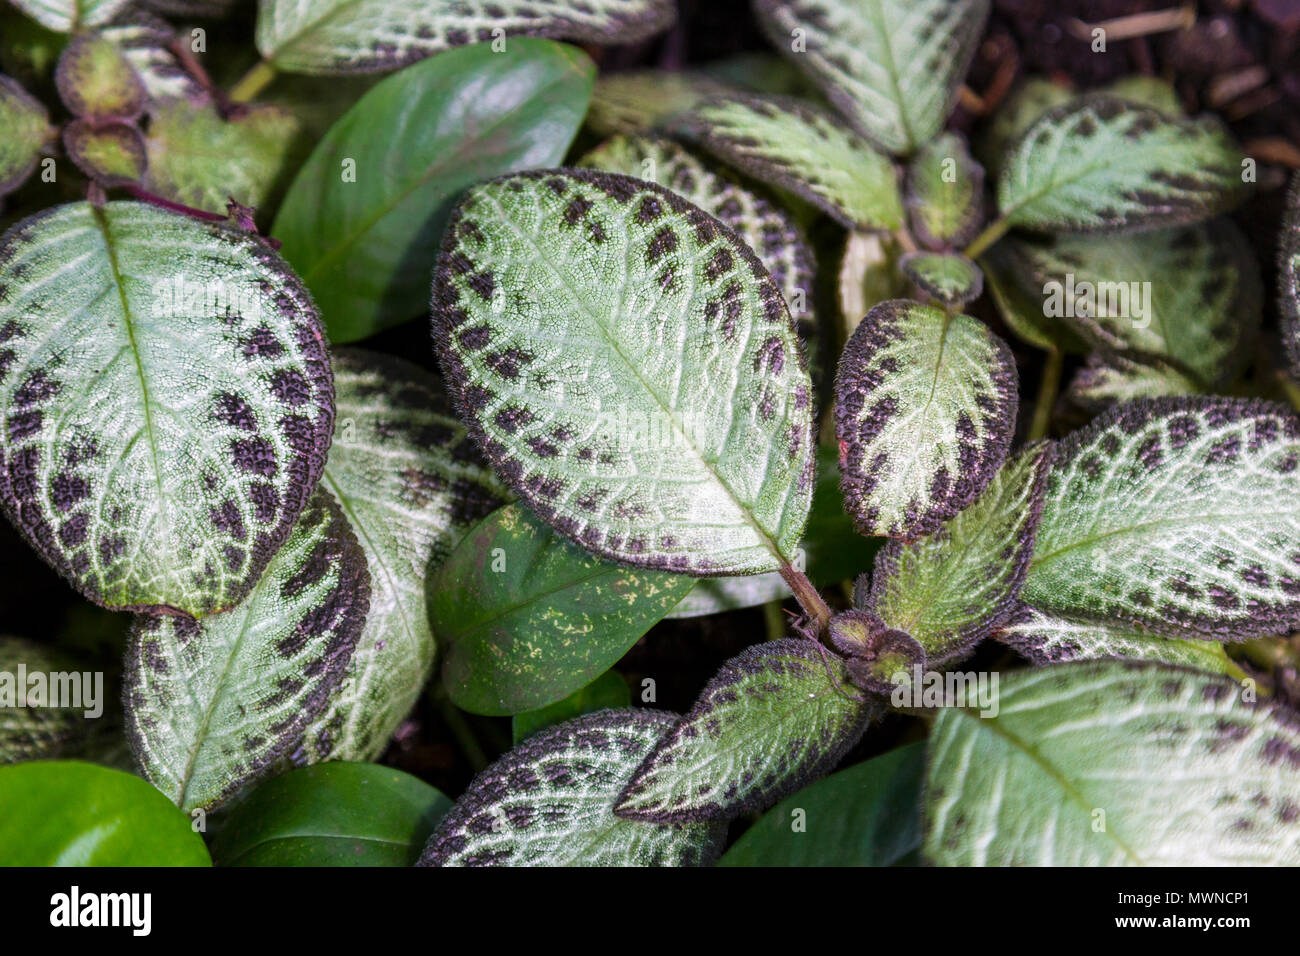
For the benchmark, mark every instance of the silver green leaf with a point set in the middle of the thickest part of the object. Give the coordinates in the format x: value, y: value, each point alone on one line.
x: 1177, y: 515
x: 347, y: 36
x: 630, y: 368
x: 951, y: 589
x: 1030, y: 99
x: 550, y: 802
x: 925, y: 406
x: 67, y: 16
x: 1047, y: 639
x: 1110, y: 377
x: 1103, y: 164
x: 145, y: 41
x: 1289, y: 276
x: 166, y: 402
x: 891, y: 66
x: 1114, y: 762
x: 944, y: 193
x: 214, y: 705
x: 27, y: 128
x: 794, y: 145
x: 410, y: 482
x: 774, y: 718
x: 716, y: 595
x: 31, y: 727
x: 949, y: 279
x: 763, y: 226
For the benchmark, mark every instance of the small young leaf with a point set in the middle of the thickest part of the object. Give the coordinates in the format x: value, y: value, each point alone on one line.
x: 952, y: 589
x: 411, y: 483
x: 766, y: 228
x: 66, y: 813
x: 550, y: 802
x: 528, y: 618
x: 794, y: 145
x: 33, y: 729
x: 630, y: 368
x: 212, y: 706
x: 925, y: 406
x: 362, y: 221
x: 867, y: 815
x: 165, y: 416
x: 949, y: 279
x: 773, y: 718
x: 333, y: 814
x: 1099, y: 163
x: 1047, y: 639
x: 609, y: 690
x: 111, y: 153
x: 27, y: 128
x: 1107, y: 763
x: 66, y: 16
x: 96, y: 80
x: 1177, y: 515
x: 1110, y: 377
x: 346, y: 36
x: 891, y: 66
x: 1288, y: 276
x: 944, y: 193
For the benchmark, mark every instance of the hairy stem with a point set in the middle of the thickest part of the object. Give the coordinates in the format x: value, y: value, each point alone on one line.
x: 1047, y: 390
x: 809, y: 599
x: 991, y: 234
x: 252, y: 83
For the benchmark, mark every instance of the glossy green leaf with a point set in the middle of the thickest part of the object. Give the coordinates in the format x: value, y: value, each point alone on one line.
x: 1109, y: 377
x: 95, y: 79
x: 1104, y: 164
x: 411, y: 483
x: 550, y: 802
x: 31, y: 728
x: 1177, y: 515
x: 57, y: 813
x: 212, y: 706
x: 630, y: 368
x: 1107, y: 763
x: 867, y: 815
x: 606, y: 691
x: 27, y: 132
x: 66, y: 16
x: 166, y: 402
x: 1289, y: 276
x: 797, y: 146
x: 332, y: 814
x: 891, y: 66
x: 362, y: 220
x: 528, y: 618
x: 773, y: 718
x: 111, y: 153
x: 951, y: 589
x: 948, y: 279
x: 345, y: 36
x: 925, y: 407
x: 944, y: 193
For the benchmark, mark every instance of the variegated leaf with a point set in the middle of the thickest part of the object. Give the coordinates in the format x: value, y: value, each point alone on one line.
x: 1029, y: 100
x: 953, y: 588
x: 794, y: 145
x: 1047, y: 639
x: 28, y: 132
x: 410, y: 482
x: 1020, y: 303
x: 925, y: 407
x: 634, y: 101
x: 630, y: 368
x: 213, y: 705
x: 111, y: 153
x: 165, y: 401
x: 944, y: 193
x: 774, y: 718
x: 891, y: 66
x: 1103, y: 164
x: 145, y: 42
x: 949, y: 279
x: 1289, y: 276
x: 67, y: 16
x: 869, y: 275
x: 763, y: 226
x: 33, y: 728
x: 346, y: 36
x: 1178, y: 515
x: 1110, y: 377
x: 95, y: 79
x: 550, y: 802
x: 1174, y: 765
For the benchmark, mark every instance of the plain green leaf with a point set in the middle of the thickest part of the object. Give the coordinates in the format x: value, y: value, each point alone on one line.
x: 606, y: 691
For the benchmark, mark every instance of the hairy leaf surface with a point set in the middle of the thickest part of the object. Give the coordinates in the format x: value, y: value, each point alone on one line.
x: 1110, y: 377
x: 27, y: 128
x: 947, y: 278
x: 112, y: 153
x: 550, y: 802
x: 165, y: 401
x: 94, y: 78
x: 925, y: 406
x: 1107, y: 763
x: 630, y: 368
x: 944, y: 193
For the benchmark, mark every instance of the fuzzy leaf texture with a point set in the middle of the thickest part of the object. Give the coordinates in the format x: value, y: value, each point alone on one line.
x: 95, y: 79
x: 1110, y: 377
x: 27, y: 128
x: 164, y: 416
x: 925, y: 406
x: 349, y: 36
x: 112, y: 153
x: 773, y: 718
x: 949, y: 279
x: 1178, y: 515
x: 944, y: 193
x: 630, y: 368
x: 891, y: 66
x: 212, y: 706
x: 1109, y: 763
x: 550, y: 802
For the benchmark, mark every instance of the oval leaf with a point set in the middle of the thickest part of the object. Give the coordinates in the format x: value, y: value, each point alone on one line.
x: 925, y: 406
x: 630, y: 368
x: 949, y: 279
x: 111, y: 153
x: 164, y: 417
x: 550, y: 802
x: 212, y: 706
x: 1110, y: 377
x: 27, y: 132
x: 95, y: 79
x: 944, y: 193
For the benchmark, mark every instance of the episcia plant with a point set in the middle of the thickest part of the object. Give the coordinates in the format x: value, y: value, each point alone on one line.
x: 744, y: 344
